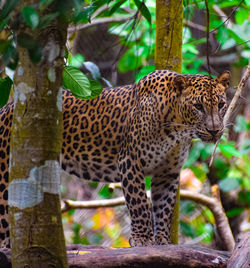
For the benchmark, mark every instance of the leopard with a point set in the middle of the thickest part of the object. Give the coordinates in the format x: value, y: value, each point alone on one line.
x: 129, y: 132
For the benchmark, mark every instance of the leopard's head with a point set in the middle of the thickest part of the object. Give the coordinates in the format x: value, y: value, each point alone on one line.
x: 203, y: 104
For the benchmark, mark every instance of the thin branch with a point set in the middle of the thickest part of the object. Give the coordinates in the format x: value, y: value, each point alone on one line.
x: 97, y: 22
x: 222, y: 14
x: 232, y: 105
x: 194, y: 25
x: 228, y: 18
x: 103, y: 203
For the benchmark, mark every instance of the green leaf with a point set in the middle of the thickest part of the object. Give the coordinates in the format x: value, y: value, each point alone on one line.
x: 234, y: 212
x: 93, y: 184
x: 33, y: 45
x: 7, y: 8
x: 96, y: 89
x: 129, y: 62
x: 208, y: 214
x: 10, y: 57
x: 228, y: 184
x: 244, y: 197
x: 105, y: 192
x: 228, y: 150
x: 241, y: 15
x: 144, y: 10
x: 46, y: 19
x: 206, y: 230
x: 85, y: 15
x: 241, y: 124
x: 77, y: 60
x: 35, y: 54
x: 30, y: 16
x: 199, y: 172
x: 5, y: 86
x: 144, y: 71
x: 207, y: 151
x: 116, y: 6
x: 222, y: 168
x: 194, y: 154
x: 187, y: 229
x: 27, y: 41
x: 4, y: 44
x: 78, y: 6
x: 187, y: 207
x: 239, y: 33
x: 246, y: 183
x: 3, y: 23
x: 148, y: 182
x: 76, y: 82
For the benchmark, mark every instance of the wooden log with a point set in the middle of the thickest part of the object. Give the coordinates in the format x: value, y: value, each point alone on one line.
x: 80, y: 256
x: 240, y: 257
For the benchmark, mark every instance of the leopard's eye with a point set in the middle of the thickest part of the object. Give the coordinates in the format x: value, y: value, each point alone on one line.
x: 221, y: 104
x: 199, y: 107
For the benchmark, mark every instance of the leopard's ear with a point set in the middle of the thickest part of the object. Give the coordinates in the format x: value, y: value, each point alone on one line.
x: 224, y: 79
x: 180, y: 82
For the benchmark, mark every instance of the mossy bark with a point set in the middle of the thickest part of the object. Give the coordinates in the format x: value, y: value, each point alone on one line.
x: 37, y: 237
x: 168, y: 43
x: 168, y: 55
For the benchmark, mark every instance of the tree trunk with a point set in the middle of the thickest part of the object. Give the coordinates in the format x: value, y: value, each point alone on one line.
x: 168, y: 43
x: 168, y: 55
x: 37, y: 237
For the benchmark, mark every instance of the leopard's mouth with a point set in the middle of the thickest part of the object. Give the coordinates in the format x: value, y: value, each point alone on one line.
x: 208, y: 137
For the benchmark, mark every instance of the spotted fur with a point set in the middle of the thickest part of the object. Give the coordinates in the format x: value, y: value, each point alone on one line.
x: 130, y: 132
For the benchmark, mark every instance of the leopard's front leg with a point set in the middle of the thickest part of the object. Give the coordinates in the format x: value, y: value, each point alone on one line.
x: 163, y: 188
x: 133, y: 185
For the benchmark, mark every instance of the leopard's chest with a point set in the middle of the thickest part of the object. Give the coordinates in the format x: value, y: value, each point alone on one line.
x: 166, y: 152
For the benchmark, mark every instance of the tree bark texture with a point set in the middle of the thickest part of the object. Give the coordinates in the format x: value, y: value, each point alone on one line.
x: 241, y: 254
x: 173, y: 256
x: 168, y: 55
x: 37, y: 237
x: 168, y: 43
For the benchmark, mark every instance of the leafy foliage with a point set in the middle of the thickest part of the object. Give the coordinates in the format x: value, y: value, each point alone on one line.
x: 5, y: 86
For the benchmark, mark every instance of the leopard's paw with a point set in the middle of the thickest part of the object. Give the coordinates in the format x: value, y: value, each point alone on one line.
x: 162, y: 239
x: 141, y: 240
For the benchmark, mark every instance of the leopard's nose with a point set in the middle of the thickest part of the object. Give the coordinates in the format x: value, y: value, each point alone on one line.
x: 212, y: 131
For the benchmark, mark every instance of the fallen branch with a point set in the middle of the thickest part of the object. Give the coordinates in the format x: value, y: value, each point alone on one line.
x: 137, y: 257
x: 241, y: 254
x: 232, y: 105
x: 213, y: 203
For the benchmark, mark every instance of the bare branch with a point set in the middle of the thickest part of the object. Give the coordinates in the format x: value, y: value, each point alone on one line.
x: 97, y: 22
x: 103, y: 203
x: 222, y: 14
x: 194, y: 25
x: 232, y: 105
